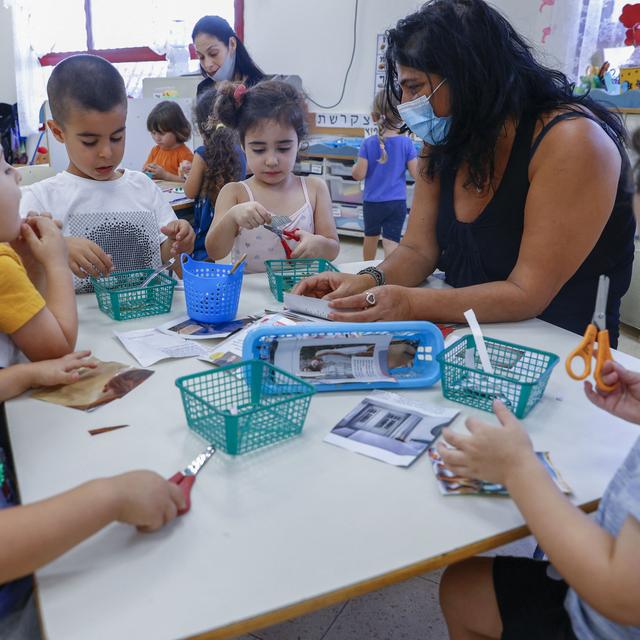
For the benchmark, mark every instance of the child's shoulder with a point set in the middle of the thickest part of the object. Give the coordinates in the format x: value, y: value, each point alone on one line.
x: 235, y: 191
x: 314, y: 184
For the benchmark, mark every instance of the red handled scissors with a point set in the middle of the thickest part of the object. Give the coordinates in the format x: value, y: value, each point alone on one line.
x: 185, y: 478
x: 282, y: 234
x: 596, y: 332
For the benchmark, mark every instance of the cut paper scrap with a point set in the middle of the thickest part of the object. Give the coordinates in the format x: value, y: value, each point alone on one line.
x: 99, y: 430
x: 107, y: 382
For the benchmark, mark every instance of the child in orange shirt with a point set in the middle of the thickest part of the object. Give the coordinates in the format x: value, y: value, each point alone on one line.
x: 169, y: 129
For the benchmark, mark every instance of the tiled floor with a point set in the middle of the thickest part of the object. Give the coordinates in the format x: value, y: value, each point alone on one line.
x: 409, y: 610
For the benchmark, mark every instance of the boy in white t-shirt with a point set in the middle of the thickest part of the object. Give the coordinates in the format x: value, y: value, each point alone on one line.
x: 88, y: 103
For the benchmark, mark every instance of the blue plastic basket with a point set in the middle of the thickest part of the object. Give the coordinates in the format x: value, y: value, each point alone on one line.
x: 212, y: 295
x: 424, y: 337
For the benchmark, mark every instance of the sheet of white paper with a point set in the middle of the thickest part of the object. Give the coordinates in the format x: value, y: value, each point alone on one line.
x: 481, y: 346
x: 390, y: 427
x: 149, y: 346
x: 309, y: 306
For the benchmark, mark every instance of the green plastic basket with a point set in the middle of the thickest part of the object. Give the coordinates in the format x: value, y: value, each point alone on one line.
x: 119, y: 297
x: 519, y: 379
x: 245, y: 406
x: 283, y: 275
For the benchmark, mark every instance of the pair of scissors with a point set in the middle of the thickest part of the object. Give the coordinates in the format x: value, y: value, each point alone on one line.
x: 596, y: 332
x: 282, y: 234
x: 185, y: 478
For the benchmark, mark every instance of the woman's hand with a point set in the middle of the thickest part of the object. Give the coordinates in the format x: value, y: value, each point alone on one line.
x: 624, y: 400
x: 332, y: 285
x: 391, y: 303
x: 249, y: 215
x: 491, y: 453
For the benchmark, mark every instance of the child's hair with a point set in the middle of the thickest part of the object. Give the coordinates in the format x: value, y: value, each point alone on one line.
x: 220, y: 147
x: 219, y: 28
x: 85, y: 81
x: 387, y: 118
x: 242, y: 108
x: 168, y: 117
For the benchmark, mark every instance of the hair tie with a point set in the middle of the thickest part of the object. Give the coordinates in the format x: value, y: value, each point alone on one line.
x: 220, y: 125
x: 238, y: 94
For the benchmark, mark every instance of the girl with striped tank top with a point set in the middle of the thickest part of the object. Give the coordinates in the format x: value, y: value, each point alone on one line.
x: 271, y: 120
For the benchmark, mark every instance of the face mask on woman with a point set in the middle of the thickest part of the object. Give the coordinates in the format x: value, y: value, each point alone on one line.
x: 225, y: 71
x: 419, y: 116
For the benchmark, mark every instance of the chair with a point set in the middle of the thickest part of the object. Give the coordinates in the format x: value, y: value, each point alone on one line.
x: 34, y: 173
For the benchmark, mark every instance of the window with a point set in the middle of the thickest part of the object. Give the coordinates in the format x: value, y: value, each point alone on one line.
x: 601, y: 35
x: 121, y: 30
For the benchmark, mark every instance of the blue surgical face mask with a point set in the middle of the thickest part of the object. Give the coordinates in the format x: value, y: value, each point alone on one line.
x: 225, y: 72
x: 419, y: 116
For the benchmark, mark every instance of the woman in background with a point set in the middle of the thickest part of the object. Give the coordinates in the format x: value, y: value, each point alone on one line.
x: 222, y: 55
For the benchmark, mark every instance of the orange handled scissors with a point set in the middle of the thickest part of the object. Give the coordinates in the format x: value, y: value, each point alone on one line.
x: 185, y: 478
x: 596, y: 332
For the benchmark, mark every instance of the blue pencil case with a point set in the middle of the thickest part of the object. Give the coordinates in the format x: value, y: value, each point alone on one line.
x: 410, y: 349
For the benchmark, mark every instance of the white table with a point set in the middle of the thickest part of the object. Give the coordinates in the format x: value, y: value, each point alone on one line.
x: 281, y: 531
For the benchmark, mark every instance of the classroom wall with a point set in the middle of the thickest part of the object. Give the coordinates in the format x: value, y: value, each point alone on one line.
x: 7, y: 64
x: 314, y: 39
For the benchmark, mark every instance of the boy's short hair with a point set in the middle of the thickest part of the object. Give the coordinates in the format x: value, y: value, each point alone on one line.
x: 85, y: 81
x: 168, y: 117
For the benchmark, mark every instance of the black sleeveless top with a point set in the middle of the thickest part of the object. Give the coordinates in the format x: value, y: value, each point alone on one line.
x: 486, y: 250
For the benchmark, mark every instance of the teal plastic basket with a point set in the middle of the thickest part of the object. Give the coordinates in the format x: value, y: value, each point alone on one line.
x: 519, y: 379
x: 120, y: 298
x: 236, y: 409
x: 283, y: 275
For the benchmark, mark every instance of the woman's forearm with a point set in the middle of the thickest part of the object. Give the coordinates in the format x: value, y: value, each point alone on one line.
x: 492, y: 302
x: 408, y: 266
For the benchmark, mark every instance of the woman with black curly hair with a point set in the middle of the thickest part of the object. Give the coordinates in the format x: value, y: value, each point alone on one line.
x: 524, y: 197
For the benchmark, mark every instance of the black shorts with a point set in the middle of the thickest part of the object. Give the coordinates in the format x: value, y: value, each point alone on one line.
x: 531, y: 603
x: 386, y: 217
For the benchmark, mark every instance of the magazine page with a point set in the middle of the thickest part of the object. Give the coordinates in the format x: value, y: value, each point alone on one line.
x: 190, y: 329
x: 390, y: 427
x: 335, y: 359
x: 229, y: 351
x: 149, y: 346
x: 451, y: 484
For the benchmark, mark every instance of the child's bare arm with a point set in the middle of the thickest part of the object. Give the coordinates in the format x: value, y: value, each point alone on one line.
x: 324, y: 242
x: 359, y: 169
x: 52, y: 332
x: 412, y: 167
x: 231, y: 215
x: 193, y: 183
x: 19, y: 378
x: 34, y: 535
x: 605, y: 571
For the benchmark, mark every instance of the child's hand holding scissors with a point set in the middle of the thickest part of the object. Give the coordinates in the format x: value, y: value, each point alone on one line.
x: 309, y: 245
x: 249, y: 215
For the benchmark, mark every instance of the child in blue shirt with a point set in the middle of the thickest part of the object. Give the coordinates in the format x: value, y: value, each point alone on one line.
x: 382, y: 162
x: 591, y: 591
x: 219, y: 161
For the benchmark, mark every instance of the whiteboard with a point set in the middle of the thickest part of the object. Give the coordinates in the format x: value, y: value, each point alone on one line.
x: 138, y: 140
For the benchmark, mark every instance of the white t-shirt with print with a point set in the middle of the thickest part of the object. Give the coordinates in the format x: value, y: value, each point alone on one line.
x: 65, y: 193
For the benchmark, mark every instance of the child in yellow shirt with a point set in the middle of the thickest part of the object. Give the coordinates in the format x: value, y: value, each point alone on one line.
x: 45, y: 326
x: 169, y: 129
x: 37, y: 303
